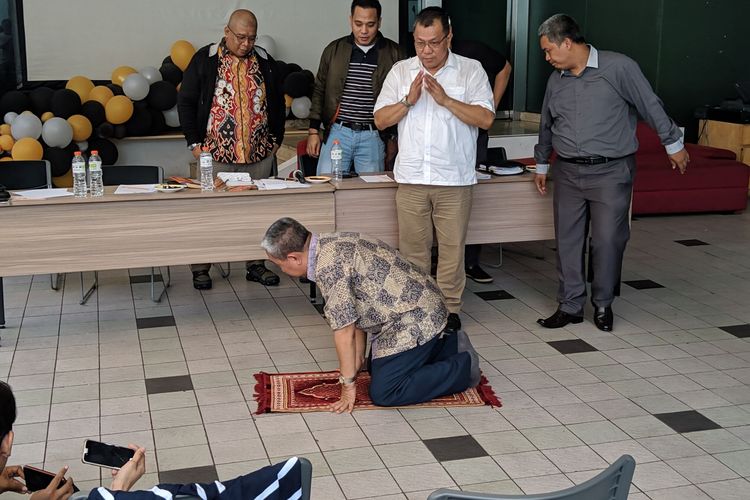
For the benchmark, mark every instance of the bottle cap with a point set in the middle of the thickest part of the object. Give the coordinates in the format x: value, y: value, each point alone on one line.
x: 204, y: 148
x: 94, y: 152
x: 77, y: 153
x: 336, y: 141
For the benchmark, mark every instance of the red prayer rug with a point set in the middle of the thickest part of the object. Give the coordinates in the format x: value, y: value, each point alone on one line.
x: 314, y: 391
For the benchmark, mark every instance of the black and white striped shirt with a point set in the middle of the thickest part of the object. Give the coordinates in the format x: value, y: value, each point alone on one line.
x: 358, y: 98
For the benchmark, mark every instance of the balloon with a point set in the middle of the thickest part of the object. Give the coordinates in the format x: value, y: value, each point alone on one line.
x: 162, y: 96
x: 266, y: 42
x: 59, y: 159
x: 57, y: 132
x: 83, y: 145
x: 181, y: 53
x: 105, y: 130
x: 26, y: 125
x: 288, y: 100
x: 100, y: 94
x: 81, y: 86
x: 81, y: 127
x: 297, y: 84
x: 135, y: 86
x: 301, y: 107
x: 115, y: 88
x: 65, y: 180
x: 65, y: 103
x: 151, y: 74
x: 140, y: 123
x: 120, y: 72
x: 14, y: 100
x: 9, y: 117
x: 4, y: 129
x: 41, y: 100
x: 107, y: 150
x: 118, y: 110
x: 158, y: 122
x: 46, y: 116
x: 171, y: 73
x: 172, y: 117
x: 6, y: 142
x: 27, y: 148
x: 94, y: 111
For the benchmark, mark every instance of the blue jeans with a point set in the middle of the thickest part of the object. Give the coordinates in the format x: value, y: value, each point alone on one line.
x: 364, y: 148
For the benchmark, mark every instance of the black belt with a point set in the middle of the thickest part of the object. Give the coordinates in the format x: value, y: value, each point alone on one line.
x: 590, y: 160
x: 357, y: 127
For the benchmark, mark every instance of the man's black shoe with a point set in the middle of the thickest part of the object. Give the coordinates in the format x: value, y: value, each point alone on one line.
x: 454, y: 323
x: 603, y: 318
x: 478, y: 274
x: 202, y: 280
x: 559, y: 320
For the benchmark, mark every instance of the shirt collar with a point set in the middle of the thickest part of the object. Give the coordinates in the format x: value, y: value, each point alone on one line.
x: 451, y: 62
x: 592, y: 62
x: 312, y: 257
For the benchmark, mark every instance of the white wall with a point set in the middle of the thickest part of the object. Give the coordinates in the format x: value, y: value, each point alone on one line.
x: 92, y: 37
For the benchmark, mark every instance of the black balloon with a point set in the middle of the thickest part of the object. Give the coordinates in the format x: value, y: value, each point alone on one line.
x: 309, y: 75
x: 293, y: 67
x: 158, y: 123
x: 94, y: 111
x: 116, y: 89
x: 120, y: 131
x: 140, y: 123
x: 281, y: 69
x: 65, y: 103
x: 41, y: 100
x: 107, y: 150
x: 60, y: 158
x: 162, y: 96
x: 171, y: 73
x: 297, y: 84
x: 167, y: 60
x: 105, y: 130
x: 15, y: 101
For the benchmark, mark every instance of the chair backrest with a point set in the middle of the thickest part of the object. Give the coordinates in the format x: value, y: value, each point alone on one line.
x: 305, y: 162
x: 26, y: 174
x: 611, y: 484
x: 114, y: 175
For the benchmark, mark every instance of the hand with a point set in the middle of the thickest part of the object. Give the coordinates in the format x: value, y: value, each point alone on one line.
x: 436, y: 90
x: 348, y: 397
x: 275, y: 148
x: 52, y: 492
x: 680, y: 160
x: 8, y: 481
x: 131, y: 472
x: 313, y: 145
x: 415, y: 90
x: 541, y: 183
x: 196, y: 152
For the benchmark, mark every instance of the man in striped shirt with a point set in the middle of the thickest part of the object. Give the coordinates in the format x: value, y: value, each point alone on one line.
x: 351, y: 72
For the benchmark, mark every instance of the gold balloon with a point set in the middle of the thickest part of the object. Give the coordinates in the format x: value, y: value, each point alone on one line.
x: 64, y: 181
x: 182, y: 52
x: 27, y: 149
x: 120, y: 73
x: 119, y: 109
x: 81, y: 127
x: 4, y: 129
x: 6, y: 142
x: 100, y: 94
x: 288, y: 100
x: 47, y: 115
x: 81, y: 86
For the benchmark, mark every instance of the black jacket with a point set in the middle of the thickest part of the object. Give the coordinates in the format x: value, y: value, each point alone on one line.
x: 197, y: 91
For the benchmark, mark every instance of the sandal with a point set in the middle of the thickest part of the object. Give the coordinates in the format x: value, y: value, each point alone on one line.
x: 259, y: 273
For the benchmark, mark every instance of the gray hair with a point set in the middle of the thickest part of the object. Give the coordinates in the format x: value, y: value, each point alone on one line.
x: 559, y: 27
x: 285, y: 236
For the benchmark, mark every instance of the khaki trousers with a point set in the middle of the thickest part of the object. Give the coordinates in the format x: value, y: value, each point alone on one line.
x: 445, y: 209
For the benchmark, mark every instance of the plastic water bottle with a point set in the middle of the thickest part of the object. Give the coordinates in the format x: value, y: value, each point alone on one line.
x: 95, y: 174
x: 206, y: 163
x: 79, y: 175
x: 336, y: 153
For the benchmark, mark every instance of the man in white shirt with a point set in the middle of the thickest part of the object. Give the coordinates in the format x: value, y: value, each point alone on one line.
x: 439, y: 101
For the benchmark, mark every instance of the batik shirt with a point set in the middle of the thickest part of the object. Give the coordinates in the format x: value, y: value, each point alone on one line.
x: 237, y: 130
x: 369, y: 284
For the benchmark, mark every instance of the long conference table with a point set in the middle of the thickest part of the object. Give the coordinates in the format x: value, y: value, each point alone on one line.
x: 64, y: 235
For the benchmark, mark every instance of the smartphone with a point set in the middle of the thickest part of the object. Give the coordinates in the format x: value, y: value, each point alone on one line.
x: 38, y: 479
x: 105, y: 455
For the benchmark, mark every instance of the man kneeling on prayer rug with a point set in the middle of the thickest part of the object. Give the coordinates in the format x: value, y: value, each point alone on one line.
x: 370, y: 289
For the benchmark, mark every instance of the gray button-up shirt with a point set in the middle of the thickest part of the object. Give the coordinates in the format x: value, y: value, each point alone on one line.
x: 595, y: 113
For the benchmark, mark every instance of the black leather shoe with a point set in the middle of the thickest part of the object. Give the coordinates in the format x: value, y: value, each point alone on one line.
x: 603, y: 318
x: 202, y: 280
x: 559, y: 320
x: 478, y: 274
x: 454, y: 323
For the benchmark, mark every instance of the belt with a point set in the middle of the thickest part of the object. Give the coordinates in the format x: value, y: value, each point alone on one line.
x: 590, y: 160
x: 357, y: 127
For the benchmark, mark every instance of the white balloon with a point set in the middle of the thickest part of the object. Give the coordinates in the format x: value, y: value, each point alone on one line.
x: 83, y: 145
x: 301, y: 107
x: 9, y: 117
x: 151, y: 74
x: 26, y: 125
x: 57, y: 132
x: 135, y: 86
x: 267, y: 43
x: 172, y: 117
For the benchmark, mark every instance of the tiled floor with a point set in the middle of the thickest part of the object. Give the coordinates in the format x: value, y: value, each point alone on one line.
x: 670, y: 385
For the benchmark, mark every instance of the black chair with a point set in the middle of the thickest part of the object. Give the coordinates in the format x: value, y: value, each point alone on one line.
x: 20, y: 175
x: 115, y: 175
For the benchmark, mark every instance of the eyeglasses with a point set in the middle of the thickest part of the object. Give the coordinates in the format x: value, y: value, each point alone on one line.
x: 434, y: 44
x: 243, y: 38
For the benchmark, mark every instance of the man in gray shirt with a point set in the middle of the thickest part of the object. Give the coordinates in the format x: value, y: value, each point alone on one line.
x: 589, y: 115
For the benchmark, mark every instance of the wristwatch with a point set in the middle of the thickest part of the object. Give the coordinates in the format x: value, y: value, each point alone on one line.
x: 193, y: 146
x: 405, y: 102
x: 347, y: 380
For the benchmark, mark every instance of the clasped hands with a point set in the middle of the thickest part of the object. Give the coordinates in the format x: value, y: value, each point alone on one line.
x: 431, y: 85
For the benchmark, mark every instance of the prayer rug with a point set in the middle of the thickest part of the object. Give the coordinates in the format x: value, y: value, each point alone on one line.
x: 314, y: 391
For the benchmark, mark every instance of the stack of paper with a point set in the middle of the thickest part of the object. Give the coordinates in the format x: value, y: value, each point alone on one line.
x: 376, y: 178
x: 41, y: 194
x: 270, y: 184
x: 135, y: 189
x: 233, y: 179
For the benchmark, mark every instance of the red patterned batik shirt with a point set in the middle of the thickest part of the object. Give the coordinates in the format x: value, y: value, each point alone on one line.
x: 237, y: 130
